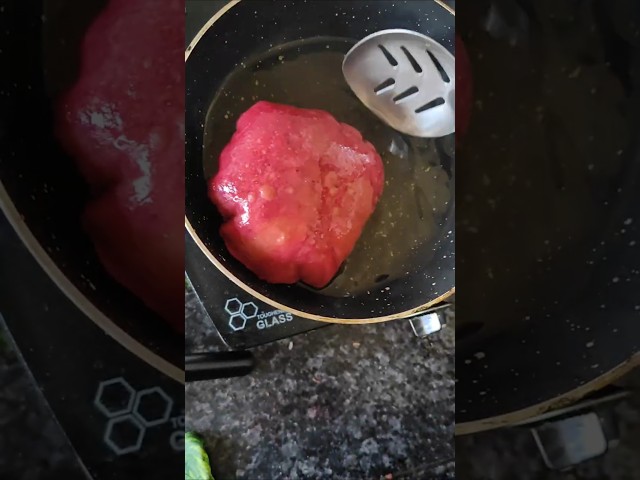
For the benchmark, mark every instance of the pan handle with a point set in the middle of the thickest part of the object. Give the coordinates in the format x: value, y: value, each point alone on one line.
x: 430, y: 321
x: 213, y: 365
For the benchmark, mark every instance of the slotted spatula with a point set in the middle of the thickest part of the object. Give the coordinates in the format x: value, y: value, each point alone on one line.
x: 406, y: 79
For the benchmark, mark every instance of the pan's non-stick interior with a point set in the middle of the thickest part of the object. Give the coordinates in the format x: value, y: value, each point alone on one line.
x: 399, y: 236
x: 548, y: 228
x: 405, y: 255
x: 40, y: 178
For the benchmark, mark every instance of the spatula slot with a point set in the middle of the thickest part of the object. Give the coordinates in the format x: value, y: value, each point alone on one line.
x: 439, y: 67
x: 431, y: 104
x: 390, y: 58
x: 414, y: 63
x: 384, y: 86
x: 406, y: 94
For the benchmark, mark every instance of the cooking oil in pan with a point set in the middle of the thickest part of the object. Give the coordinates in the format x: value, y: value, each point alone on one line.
x: 399, y: 236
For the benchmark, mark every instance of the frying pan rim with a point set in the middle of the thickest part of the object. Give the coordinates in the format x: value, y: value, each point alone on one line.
x: 517, y: 417
x: 349, y: 321
x: 77, y: 298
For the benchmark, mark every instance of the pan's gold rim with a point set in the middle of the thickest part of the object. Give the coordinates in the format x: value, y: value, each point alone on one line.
x: 521, y: 416
x: 77, y: 298
x: 345, y: 321
x: 449, y: 9
x: 207, y: 26
x: 300, y: 313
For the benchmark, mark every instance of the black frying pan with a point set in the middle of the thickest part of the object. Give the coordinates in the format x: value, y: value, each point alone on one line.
x: 291, y: 52
x: 549, y: 229
x: 41, y: 192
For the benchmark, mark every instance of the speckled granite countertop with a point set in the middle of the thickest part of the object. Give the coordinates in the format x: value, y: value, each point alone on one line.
x: 340, y: 402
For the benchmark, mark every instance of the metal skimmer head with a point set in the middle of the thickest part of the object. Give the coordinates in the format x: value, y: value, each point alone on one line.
x: 405, y: 78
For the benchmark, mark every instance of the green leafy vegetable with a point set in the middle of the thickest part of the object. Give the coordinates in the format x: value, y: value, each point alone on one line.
x: 196, y: 460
